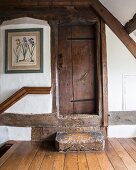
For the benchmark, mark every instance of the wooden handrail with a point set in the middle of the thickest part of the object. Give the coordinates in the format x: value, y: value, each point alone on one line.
x: 20, y: 94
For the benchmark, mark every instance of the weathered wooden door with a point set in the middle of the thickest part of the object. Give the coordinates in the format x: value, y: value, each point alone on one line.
x: 76, y: 69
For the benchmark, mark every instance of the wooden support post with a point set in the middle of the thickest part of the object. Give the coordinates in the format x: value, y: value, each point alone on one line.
x: 104, y: 75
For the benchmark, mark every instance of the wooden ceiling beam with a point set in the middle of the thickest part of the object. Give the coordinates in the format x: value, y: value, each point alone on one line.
x: 42, y: 3
x: 130, y: 26
x: 50, y: 13
x: 115, y: 26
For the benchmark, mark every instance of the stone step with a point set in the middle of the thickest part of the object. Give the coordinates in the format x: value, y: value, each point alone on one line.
x: 80, y: 141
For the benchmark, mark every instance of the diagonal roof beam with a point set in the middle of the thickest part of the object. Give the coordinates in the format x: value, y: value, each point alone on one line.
x: 130, y: 26
x: 115, y: 26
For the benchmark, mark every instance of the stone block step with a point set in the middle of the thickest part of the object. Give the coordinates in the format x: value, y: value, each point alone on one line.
x: 80, y: 141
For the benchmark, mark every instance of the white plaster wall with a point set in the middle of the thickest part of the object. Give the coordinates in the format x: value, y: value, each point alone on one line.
x: 121, y: 63
x: 122, y: 131
x: 14, y: 133
x: 34, y: 104
x: 10, y: 83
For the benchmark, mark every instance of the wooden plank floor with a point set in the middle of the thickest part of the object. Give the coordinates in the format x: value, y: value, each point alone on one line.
x: 119, y: 154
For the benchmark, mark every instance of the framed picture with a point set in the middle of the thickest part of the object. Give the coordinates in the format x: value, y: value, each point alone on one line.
x: 24, y: 50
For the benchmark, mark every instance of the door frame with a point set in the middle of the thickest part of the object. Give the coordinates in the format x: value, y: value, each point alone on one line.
x: 54, y: 45
x: 66, y: 12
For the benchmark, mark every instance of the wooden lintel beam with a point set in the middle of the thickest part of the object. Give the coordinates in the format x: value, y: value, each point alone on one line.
x: 130, y: 26
x: 47, y: 120
x: 115, y: 26
x: 41, y: 3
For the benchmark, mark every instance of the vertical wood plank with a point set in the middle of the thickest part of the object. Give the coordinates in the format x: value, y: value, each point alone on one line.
x: 83, y: 63
x: 64, y: 66
x: 104, y: 74
x: 128, y: 161
x: 116, y: 161
x: 92, y: 160
x: 71, y: 161
x: 99, y: 71
x: 82, y: 162
x: 54, y: 53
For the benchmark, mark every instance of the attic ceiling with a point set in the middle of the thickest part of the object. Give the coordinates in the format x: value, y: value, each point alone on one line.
x: 123, y: 10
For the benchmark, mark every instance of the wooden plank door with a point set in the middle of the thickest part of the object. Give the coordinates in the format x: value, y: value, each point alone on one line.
x: 76, y: 69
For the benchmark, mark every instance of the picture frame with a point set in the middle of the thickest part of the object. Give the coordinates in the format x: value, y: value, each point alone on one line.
x: 24, y: 50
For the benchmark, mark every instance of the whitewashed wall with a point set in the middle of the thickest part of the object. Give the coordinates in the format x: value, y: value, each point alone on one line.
x: 10, y: 83
x: 121, y: 75
x: 14, y: 133
x: 121, y: 83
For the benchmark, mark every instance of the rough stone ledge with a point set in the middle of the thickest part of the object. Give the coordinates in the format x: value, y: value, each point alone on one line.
x: 80, y: 141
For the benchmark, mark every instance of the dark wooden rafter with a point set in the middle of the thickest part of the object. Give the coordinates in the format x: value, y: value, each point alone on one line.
x: 20, y: 94
x: 49, y: 13
x: 42, y: 3
x: 115, y: 26
x: 130, y: 26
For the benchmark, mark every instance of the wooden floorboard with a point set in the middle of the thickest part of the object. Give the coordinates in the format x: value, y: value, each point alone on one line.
x: 9, y: 153
x: 13, y: 161
x: 92, y: 161
x: 115, y: 159
x: 59, y: 159
x: 37, y: 160
x: 104, y: 161
x: 128, y: 161
x: 132, y: 143
x: 71, y: 161
x: 119, y: 154
x: 28, y: 158
x: 82, y: 161
x: 128, y: 148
